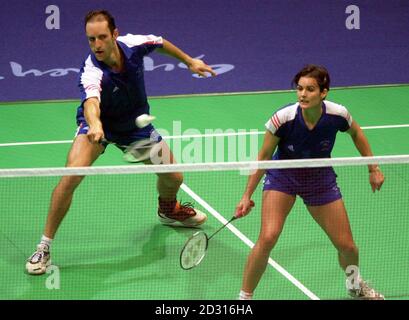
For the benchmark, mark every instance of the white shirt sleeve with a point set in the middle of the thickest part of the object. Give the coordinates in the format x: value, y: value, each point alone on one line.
x: 132, y: 40
x: 90, y: 81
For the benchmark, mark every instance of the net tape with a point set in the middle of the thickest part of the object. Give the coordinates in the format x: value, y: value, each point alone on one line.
x: 215, y: 166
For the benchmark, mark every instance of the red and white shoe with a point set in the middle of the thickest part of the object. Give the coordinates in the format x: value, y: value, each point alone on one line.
x: 183, y: 214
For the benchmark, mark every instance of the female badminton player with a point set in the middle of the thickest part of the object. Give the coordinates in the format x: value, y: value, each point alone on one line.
x: 302, y: 130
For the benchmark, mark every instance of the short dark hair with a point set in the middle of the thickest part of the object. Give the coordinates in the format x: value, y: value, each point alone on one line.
x: 317, y: 72
x: 94, y: 14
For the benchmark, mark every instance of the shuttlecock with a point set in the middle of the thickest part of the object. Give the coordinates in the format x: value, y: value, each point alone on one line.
x: 143, y: 120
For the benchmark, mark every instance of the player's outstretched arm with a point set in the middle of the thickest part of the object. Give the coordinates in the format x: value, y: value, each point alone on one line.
x: 376, y: 177
x: 92, y: 115
x: 195, y: 65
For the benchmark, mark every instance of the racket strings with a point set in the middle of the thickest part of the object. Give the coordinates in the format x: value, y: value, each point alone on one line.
x: 194, y: 250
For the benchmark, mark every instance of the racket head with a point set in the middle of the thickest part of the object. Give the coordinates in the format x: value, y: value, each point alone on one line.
x: 141, y: 150
x: 194, y: 250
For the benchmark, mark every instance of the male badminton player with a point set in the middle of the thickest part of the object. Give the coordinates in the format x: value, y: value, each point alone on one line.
x: 301, y: 130
x: 113, y: 95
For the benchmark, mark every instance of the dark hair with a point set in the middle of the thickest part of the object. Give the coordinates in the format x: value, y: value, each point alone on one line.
x: 105, y: 15
x: 319, y: 73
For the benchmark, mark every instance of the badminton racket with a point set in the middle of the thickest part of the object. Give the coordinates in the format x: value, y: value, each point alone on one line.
x: 196, y: 246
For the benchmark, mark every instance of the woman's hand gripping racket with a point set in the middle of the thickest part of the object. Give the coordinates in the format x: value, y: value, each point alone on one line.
x: 196, y: 246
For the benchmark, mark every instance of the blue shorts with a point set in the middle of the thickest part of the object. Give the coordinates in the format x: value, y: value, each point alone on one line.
x: 316, y: 186
x: 123, y: 139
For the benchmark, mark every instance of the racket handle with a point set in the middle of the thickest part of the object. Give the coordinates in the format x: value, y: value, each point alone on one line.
x: 252, y: 204
x: 231, y: 219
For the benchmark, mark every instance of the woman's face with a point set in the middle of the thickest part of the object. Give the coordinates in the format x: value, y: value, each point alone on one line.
x: 309, y: 94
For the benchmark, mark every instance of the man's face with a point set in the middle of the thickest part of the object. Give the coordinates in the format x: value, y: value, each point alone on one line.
x: 100, y: 39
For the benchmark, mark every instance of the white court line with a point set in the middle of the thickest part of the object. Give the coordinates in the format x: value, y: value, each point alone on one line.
x: 15, y: 144
x: 386, y: 127
x: 221, y: 94
x: 247, y: 241
x: 208, y: 135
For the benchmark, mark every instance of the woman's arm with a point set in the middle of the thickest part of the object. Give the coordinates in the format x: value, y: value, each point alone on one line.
x: 376, y: 177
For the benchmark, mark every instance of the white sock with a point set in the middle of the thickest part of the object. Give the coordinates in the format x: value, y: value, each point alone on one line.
x: 46, y: 241
x: 245, y: 295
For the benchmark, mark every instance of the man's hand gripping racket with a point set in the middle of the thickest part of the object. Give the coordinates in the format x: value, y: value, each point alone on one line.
x: 196, y: 246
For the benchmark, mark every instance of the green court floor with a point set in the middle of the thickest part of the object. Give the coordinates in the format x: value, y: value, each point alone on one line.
x: 111, y: 246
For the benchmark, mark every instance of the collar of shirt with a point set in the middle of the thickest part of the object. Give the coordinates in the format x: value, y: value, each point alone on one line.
x: 301, y: 118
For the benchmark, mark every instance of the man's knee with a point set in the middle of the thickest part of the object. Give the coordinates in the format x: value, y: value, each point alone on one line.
x: 176, y: 178
x: 172, y: 179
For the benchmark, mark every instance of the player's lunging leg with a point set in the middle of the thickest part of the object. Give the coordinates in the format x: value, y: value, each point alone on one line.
x: 82, y: 154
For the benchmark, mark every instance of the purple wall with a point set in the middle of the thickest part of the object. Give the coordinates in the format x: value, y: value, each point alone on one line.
x: 266, y: 41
